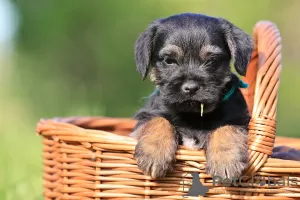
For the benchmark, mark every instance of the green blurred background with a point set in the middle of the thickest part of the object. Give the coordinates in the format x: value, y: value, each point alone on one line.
x: 75, y: 57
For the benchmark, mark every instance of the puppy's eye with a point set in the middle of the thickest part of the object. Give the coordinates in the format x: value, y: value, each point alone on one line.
x: 213, y: 60
x: 170, y: 61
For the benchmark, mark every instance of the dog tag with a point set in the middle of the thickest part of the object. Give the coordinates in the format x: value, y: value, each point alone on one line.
x: 202, y: 106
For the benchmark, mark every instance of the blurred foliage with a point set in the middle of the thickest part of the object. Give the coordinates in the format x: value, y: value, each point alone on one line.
x: 75, y: 57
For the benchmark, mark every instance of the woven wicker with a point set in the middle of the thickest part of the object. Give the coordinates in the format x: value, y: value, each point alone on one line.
x: 92, y: 157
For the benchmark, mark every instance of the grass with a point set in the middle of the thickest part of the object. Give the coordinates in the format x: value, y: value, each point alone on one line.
x: 21, y: 166
x: 20, y: 155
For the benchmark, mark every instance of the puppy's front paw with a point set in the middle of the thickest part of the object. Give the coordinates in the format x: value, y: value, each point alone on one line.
x: 227, y: 165
x: 156, y: 147
x: 227, y: 152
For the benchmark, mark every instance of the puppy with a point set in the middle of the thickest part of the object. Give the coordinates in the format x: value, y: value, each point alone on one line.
x: 197, y: 102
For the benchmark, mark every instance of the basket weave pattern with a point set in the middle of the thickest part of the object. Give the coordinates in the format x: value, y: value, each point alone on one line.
x: 92, y: 157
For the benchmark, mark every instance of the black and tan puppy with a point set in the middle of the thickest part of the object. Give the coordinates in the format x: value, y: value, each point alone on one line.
x: 188, y: 57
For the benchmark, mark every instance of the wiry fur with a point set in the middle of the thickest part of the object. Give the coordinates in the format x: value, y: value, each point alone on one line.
x: 189, y: 57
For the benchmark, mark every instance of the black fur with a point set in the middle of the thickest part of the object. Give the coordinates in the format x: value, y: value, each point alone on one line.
x: 189, y: 57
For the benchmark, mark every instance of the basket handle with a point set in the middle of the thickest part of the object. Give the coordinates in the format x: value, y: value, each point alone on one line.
x: 262, y: 94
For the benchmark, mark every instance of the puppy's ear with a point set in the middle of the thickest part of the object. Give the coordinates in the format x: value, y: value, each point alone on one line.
x: 143, y: 50
x: 240, y: 45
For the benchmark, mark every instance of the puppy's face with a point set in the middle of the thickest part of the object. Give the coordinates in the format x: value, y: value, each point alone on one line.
x: 190, y: 56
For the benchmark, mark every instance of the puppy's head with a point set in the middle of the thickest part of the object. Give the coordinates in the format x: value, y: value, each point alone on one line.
x: 189, y: 57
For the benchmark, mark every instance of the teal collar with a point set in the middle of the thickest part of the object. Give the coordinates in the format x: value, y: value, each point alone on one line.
x: 242, y: 84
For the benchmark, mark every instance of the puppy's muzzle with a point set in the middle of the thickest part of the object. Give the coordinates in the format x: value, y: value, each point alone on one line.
x: 190, y: 87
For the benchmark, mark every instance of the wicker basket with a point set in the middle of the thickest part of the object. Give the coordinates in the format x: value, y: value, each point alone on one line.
x: 92, y: 157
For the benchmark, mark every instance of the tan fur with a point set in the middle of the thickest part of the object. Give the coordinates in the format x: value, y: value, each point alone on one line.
x: 157, y: 135
x: 155, y: 151
x: 227, y: 151
x: 209, y: 49
x: 153, y: 75
x: 172, y: 50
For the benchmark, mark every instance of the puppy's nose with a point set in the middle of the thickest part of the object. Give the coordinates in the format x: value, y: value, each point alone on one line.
x: 190, y: 87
